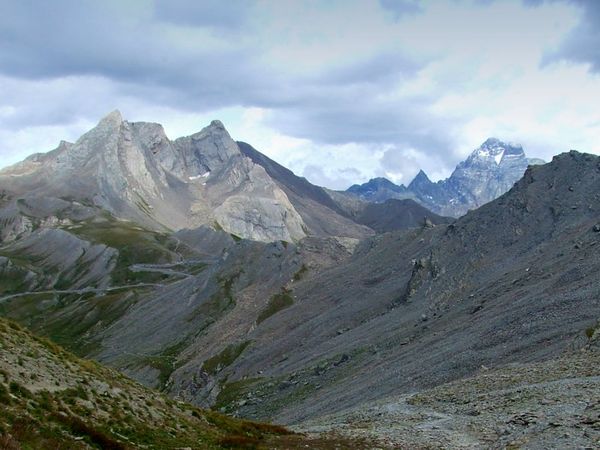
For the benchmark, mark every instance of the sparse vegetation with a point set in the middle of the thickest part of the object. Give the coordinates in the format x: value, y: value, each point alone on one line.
x: 589, y: 332
x: 135, y: 245
x: 19, y: 390
x: 215, y: 307
x: 4, y: 397
x: 301, y: 273
x: 225, y: 357
x: 165, y: 361
x: 93, y: 406
x: 232, y: 391
x: 78, y: 314
x: 276, y: 303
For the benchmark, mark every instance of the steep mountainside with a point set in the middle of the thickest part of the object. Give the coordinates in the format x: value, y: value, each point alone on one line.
x: 79, y: 264
x: 292, y: 326
x: 330, y: 213
x: 396, y: 214
x: 168, y: 299
x: 487, y: 173
x: 131, y: 171
x: 417, y: 308
x: 320, y: 212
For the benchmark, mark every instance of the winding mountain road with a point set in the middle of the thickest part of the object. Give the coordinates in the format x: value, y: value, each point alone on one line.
x: 79, y: 291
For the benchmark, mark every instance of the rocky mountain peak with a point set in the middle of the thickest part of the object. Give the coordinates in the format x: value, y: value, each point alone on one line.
x: 381, y: 181
x: 215, y: 128
x: 375, y: 184
x: 135, y: 172
x: 420, y: 179
x: 217, y: 124
x: 377, y: 190
x: 113, y: 118
x: 494, y: 151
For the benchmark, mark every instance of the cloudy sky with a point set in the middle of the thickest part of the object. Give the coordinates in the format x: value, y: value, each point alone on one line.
x: 339, y: 91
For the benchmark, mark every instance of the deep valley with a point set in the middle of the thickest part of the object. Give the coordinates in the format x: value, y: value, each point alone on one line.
x: 202, y: 269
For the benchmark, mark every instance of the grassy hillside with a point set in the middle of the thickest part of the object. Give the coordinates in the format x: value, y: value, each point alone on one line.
x: 50, y: 399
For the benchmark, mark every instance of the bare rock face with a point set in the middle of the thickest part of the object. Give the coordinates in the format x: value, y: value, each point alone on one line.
x: 487, y: 173
x: 133, y: 171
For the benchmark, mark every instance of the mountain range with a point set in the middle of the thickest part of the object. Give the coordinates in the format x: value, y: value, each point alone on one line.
x: 202, y: 268
x: 488, y: 172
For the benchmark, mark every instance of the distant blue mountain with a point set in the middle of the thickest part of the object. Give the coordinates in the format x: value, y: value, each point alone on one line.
x: 487, y: 173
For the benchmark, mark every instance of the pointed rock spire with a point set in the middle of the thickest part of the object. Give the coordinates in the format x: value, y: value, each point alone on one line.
x: 420, y: 179
x: 112, y: 118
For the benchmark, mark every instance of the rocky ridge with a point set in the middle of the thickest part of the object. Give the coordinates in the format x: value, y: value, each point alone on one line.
x: 134, y: 172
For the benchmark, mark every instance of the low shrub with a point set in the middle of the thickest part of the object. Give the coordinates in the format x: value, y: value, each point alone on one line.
x: 97, y: 437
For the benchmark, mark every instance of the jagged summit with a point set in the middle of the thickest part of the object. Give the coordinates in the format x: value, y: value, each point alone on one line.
x: 108, y: 124
x: 493, y: 142
x: 496, y: 151
x: 113, y: 116
x: 508, y: 274
x: 420, y: 179
x: 133, y: 171
x: 376, y: 183
x: 421, y: 174
x: 382, y: 181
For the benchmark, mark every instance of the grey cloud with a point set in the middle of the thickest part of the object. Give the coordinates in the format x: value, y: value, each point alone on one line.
x: 71, y: 38
x: 398, y: 161
x: 408, y: 163
x: 53, y: 102
x: 408, y: 128
x: 229, y: 15
x: 362, y: 116
x: 383, y: 69
x: 582, y: 45
x: 66, y: 38
x: 401, y: 8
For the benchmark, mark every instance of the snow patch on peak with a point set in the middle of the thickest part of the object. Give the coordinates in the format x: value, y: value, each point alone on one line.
x: 497, y: 150
x: 197, y: 177
x: 498, y: 157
